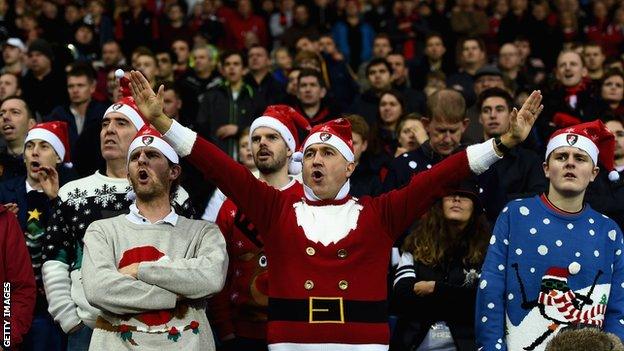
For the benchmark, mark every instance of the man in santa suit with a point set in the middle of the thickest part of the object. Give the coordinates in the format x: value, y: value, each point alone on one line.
x: 328, y: 251
x: 239, y: 311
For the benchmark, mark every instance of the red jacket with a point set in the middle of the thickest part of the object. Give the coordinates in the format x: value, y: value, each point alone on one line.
x: 333, y: 292
x: 17, y: 276
x: 237, y: 27
x: 241, y: 307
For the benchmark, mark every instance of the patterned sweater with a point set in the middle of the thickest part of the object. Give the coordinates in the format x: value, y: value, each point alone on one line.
x: 180, y: 265
x: 547, y: 270
x: 80, y: 203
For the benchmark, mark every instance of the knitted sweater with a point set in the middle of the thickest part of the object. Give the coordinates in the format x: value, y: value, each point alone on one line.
x: 328, y: 258
x: 546, y: 270
x: 80, y: 203
x: 164, y: 308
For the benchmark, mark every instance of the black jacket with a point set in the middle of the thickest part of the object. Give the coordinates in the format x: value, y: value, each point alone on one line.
x: 366, y: 179
x: 217, y: 108
x: 367, y: 106
x: 607, y: 197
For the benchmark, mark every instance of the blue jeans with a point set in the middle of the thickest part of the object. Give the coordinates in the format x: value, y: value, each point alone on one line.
x: 80, y: 339
x: 44, y: 335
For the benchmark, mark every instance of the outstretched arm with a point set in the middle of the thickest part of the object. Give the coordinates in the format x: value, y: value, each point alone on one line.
x: 259, y: 201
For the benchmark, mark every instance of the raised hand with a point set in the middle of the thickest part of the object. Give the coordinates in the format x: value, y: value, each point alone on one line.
x: 149, y: 103
x: 49, y: 180
x: 522, y: 121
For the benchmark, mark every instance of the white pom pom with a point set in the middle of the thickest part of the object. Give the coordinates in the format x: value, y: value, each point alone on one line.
x: 295, y: 165
x: 574, y: 268
x: 131, y: 195
x: 119, y: 73
x: 68, y: 165
x: 614, y: 176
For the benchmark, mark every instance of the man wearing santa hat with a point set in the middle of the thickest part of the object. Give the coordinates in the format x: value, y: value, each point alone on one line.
x: 78, y: 204
x: 46, y: 147
x: 239, y: 312
x: 329, y: 252
x: 554, y: 263
x: 151, y: 271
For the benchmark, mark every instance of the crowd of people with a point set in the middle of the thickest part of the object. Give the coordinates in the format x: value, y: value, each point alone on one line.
x: 314, y: 175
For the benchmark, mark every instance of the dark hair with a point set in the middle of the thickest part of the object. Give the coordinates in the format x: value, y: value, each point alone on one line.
x: 378, y: 61
x: 255, y: 46
x: 309, y: 72
x: 495, y: 92
x: 142, y: 50
x: 359, y: 126
x: 175, y: 184
x: 80, y: 69
x: 18, y: 79
x: 29, y: 112
x: 432, y: 241
x: 434, y: 35
x: 408, y: 117
x: 226, y: 54
x: 383, y: 36
x: 397, y: 95
x: 168, y: 85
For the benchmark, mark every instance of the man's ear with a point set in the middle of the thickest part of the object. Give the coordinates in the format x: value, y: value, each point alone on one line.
x: 426, y: 121
x: 546, y: 170
x: 364, y: 145
x: 323, y: 92
x: 594, y: 174
x: 465, y: 123
x: 31, y: 123
x: 175, y: 172
x: 350, y: 169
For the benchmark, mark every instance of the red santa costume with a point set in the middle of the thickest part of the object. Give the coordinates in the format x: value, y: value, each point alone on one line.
x: 329, y: 258
x: 241, y: 307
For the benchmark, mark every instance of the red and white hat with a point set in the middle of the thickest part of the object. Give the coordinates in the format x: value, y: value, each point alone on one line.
x: 56, y: 134
x: 336, y: 133
x: 148, y: 136
x: 126, y: 105
x: 591, y: 137
x: 285, y: 120
x: 556, y: 273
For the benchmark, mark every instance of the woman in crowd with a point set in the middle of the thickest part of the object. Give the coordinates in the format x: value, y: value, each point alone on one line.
x: 612, y: 91
x: 411, y: 134
x: 391, y: 109
x: 437, y: 275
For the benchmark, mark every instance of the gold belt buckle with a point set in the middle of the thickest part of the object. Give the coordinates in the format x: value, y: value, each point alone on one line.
x: 326, y: 310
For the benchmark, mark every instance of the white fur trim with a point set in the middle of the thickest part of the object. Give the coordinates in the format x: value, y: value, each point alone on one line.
x: 180, y: 138
x: 553, y: 277
x: 583, y: 143
x: 274, y: 123
x: 342, y: 193
x: 127, y: 111
x: 319, y: 223
x: 288, y: 346
x: 614, y: 176
x: 156, y: 143
x: 334, y: 141
x: 481, y: 156
x: 46, y: 135
x: 57, y: 286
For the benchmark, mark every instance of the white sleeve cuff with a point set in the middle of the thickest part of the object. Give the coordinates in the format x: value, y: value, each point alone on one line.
x: 57, y: 285
x: 481, y: 156
x: 180, y: 138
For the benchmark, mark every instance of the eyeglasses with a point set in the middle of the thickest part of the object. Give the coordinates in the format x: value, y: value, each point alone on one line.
x: 556, y: 285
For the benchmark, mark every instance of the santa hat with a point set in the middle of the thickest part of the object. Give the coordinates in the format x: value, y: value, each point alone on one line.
x: 336, y: 133
x: 556, y: 273
x: 148, y: 136
x: 591, y: 137
x: 285, y: 120
x: 56, y: 134
x: 126, y: 105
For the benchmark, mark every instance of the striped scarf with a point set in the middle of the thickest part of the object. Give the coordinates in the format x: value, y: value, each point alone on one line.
x: 563, y: 303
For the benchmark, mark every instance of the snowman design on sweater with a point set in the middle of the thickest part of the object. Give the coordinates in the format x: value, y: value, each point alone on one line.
x: 546, y: 271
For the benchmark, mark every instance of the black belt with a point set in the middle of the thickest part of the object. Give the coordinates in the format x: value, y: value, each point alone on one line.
x: 327, y: 310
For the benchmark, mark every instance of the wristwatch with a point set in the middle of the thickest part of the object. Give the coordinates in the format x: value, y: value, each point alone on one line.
x: 500, y: 146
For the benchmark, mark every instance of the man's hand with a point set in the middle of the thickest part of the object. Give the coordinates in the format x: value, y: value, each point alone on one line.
x: 49, y: 180
x: 131, y: 270
x: 522, y: 121
x: 12, y: 207
x: 226, y: 131
x: 424, y: 288
x: 149, y: 103
x: 76, y: 328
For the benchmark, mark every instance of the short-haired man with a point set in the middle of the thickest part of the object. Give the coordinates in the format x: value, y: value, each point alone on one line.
x: 112, y: 58
x: 80, y: 203
x: 415, y: 101
x: 203, y: 76
x: 311, y: 98
x: 379, y: 75
x: 147, y: 64
x: 434, y: 60
x: 328, y: 251
x: 472, y: 57
x: 46, y: 147
x: 164, y: 63
x: 554, y: 263
x: 445, y: 126
x: 382, y: 47
x: 267, y: 90
x: 16, y: 119
x: 510, y: 64
x: 13, y: 55
x: 9, y: 86
x: 240, y: 310
x: 571, y: 101
x: 486, y: 77
x: 83, y: 115
x: 230, y: 105
x: 594, y: 58
x: 519, y: 174
x: 150, y: 271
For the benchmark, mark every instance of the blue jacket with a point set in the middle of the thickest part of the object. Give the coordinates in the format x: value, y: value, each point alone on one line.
x: 340, y: 32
